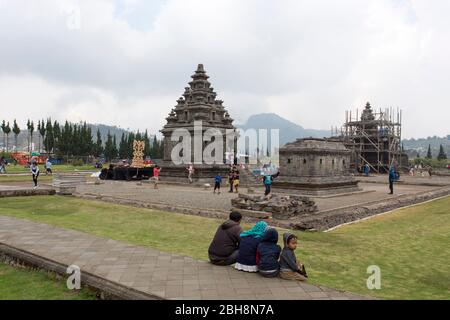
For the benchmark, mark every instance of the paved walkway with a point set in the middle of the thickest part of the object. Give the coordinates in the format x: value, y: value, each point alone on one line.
x: 160, y: 274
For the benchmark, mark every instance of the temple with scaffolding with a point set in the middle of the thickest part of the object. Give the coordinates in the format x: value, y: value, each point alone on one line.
x: 374, y: 139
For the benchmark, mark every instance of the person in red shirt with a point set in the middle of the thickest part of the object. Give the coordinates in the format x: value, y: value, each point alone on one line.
x: 156, y: 171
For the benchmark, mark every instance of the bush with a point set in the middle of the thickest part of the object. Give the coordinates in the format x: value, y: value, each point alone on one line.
x: 77, y: 163
x: 434, y: 163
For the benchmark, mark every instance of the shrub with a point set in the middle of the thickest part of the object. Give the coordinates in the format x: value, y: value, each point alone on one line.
x: 77, y: 162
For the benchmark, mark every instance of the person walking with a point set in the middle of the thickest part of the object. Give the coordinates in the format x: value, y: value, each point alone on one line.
x: 236, y: 181
x: 2, y: 165
x: 48, y: 167
x: 430, y: 171
x: 190, y: 170
x: 230, y: 179
x: 392, y: 177
x: 217, y: 183
x: 366, y: 170
x: 267, y: 183
x: 35, y: 173
x: 155, y: 177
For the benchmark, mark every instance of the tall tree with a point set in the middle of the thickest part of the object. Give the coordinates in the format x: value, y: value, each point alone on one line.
x: 28, y: 134
x: 7, y: 131
x: 41, y: 130
x: 429, y: 155
x: 109, y: 150
x: 56, y: 136
x: 130, y: 140
x: 30, y: 127
x: 16, y: 131
x: 123, y: 147
x: 3, y: 127
x: 49, y: 139
x: 147, y: 144
x: 442, y: 155
x: 98, y: 148
x: 155, y: 148
x: 114, y: 148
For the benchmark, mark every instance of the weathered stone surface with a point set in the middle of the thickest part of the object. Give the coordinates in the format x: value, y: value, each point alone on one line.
x: 24, y: 192
x: 314, y: 166
x: 331, y: 218
x: 281, y: 207
x: 65, y: 184
x: 197, y: 105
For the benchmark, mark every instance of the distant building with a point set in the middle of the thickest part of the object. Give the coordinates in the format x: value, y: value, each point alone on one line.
x: 314, y: 166
x: 374, y: 139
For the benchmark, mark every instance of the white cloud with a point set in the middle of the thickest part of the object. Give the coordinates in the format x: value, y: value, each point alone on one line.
x: 306, y: 60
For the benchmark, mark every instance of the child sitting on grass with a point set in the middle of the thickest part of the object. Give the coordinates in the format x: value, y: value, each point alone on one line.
x: 268, y: 254
x: 290, y: 269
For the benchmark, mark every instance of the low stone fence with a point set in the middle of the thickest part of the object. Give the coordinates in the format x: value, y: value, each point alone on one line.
x: 105, y: 289
x: 325, y: 220
x: 22, y: 192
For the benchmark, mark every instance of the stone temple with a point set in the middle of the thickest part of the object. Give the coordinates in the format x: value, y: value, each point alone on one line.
x: 314, y: 166
x: 198, y: 103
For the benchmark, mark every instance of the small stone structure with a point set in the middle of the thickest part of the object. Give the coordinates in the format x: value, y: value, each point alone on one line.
x: 65, y: 184
x: 279, y: 206
x: 315, y: 166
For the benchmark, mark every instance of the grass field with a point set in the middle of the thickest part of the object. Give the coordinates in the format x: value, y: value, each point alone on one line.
x: 55, y: 168
x: 42, y: 178
x: 409, y: 245
x: 23, y: 284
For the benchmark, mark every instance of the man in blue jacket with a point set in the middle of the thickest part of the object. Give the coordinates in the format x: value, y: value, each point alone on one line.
x: 392, y: 177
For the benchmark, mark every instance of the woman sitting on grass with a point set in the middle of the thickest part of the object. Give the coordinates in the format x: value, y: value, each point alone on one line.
x: 246, y: 260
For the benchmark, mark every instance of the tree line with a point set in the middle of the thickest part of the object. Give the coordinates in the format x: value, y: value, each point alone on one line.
x: 77, y: 140
x: 441, y: 155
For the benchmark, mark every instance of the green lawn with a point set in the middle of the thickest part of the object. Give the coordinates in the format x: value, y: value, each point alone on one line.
x: 42, y: 178
x: 55, y: 168
x: 409, y: 245
x: 23, y: 284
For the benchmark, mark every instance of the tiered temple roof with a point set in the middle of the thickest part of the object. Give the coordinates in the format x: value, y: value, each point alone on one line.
x: 199, y: 102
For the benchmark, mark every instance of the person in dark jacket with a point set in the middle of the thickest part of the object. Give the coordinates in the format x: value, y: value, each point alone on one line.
x: 268, y: 254
x: 246, y: 260
x: 223, y: 250
x: 267, y: 183
x: 392, y: 177
x: 290, y: 268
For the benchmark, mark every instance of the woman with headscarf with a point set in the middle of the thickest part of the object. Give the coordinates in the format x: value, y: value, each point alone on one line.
x: 246, y: 260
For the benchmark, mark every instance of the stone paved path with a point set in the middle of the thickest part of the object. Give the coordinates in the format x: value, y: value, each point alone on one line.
x: 160, y: 274
x: 194, y: 197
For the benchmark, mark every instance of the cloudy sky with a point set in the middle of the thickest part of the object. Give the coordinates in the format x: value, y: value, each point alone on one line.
x: 125, y: 62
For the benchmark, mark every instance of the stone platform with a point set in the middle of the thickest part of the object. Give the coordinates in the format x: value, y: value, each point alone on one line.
x: 332, y: 211
x: 127, y: 271
x: 21, y: 191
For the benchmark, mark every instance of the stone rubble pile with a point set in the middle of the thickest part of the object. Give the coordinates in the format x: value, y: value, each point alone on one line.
x: 280, y: 206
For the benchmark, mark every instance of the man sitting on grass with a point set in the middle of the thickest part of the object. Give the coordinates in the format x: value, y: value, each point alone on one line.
x: 223, y: 250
